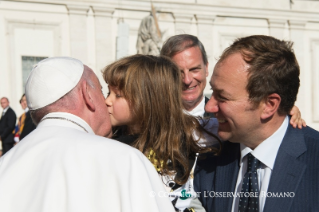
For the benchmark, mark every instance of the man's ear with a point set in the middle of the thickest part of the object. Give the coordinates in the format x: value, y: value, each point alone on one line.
x: 87, y: 96
x: 271, y: 105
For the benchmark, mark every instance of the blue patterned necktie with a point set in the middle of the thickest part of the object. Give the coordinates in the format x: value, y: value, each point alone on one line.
x: 248, y: 202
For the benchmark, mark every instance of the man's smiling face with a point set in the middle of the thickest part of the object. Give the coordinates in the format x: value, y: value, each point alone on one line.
x: 239, y: 119
x: 194, y: 73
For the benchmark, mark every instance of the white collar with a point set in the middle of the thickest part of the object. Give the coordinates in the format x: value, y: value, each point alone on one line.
x: 5, y: 110
x: 65, y: 120
x: 26, y: 109
x: 199, y: 110
x: 267, y: 150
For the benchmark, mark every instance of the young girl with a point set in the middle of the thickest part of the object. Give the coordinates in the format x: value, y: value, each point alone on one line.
x: 146, y: 110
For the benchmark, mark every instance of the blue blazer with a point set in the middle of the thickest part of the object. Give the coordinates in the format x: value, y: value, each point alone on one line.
x: 296, y: 169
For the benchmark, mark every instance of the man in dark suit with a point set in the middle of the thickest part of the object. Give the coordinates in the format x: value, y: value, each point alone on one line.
x: 7, y: 124
x: 190, y: 56
x: 265, y: 164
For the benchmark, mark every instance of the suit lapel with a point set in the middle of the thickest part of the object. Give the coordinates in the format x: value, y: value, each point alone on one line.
x: 226, y: 176
x: 288, y: 171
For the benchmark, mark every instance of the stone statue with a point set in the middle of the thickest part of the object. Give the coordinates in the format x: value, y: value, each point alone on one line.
x: 148, y: 40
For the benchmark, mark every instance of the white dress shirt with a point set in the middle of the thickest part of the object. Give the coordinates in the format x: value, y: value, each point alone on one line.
x: 199, y: 110
x: 5, y: 110
x: 266, y: 153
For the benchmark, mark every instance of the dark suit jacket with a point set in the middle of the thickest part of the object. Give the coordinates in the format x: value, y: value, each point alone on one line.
x: 7, y: 125
x: 295, y: 170
x: 28, y: 126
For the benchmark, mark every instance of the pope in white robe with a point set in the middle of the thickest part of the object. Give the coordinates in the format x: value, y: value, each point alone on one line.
x: 65, y: 164
x: 60, y: 167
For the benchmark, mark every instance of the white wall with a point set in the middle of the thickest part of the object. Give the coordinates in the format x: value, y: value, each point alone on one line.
x: 38, y: 30
x: 88, y: 29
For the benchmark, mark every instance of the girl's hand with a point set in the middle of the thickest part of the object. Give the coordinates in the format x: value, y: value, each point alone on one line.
x: 296, y: 119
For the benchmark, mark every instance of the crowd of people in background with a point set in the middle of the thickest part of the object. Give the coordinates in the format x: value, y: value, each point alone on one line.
x: 10, y: 132
x: 156, y: 133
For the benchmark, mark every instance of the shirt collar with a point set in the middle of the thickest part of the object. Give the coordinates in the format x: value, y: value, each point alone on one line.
x: 26, y: 109
x: 267, y: 150
x: 5, y: 110
x: 199, y: 110
x: 66, y: 120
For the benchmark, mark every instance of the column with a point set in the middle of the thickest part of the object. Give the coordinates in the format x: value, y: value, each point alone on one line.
x: 103, y: 40
x: 78, y: 32
x: 183, y: 23
x: 297, y: 35
x: 276, y: 28
x: 315, y: 80
x: 103, y: 36
x: 205, y: 35
x: 205, y: 32
x: 122, y: 39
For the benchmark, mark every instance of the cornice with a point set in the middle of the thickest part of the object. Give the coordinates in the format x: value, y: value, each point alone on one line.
x: 103, y: 11
x: 297, y: 24
x: 190, y: 9
x: 77, y: 9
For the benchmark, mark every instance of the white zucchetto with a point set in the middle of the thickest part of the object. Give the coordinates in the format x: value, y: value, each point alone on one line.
x: 51, y: 79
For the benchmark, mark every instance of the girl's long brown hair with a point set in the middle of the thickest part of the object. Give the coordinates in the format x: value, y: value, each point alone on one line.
x: 152, y: 86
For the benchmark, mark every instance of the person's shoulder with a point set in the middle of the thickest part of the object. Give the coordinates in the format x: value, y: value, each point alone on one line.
x: 305, y: 138
x: 105, y: 148
x: 310, y: 132
x: 10, y: 114
x: 10, y: 110
x: 228, y: 153
x: 311, y: 137
x: 101, y: 140
x: 108, y: 145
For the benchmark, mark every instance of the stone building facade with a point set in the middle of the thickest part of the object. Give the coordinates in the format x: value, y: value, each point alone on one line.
x: 100, y: 31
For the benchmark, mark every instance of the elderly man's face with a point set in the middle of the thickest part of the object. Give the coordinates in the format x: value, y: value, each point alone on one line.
x: 4, y: 103
x: 238, y: 118
x: 102, y: 123
x: 194, y: 73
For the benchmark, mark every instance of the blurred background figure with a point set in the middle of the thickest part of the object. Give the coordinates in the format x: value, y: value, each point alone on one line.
x: 25, y: 124
x: 7, y: 124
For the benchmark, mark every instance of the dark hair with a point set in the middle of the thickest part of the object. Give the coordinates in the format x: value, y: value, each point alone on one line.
x: 273, y: 68
x: 152, y: 86
x: 179, y: 43
x: 21, y: 98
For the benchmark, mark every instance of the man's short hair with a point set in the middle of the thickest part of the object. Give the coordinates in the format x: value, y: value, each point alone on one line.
x: 179, y: 43
x: 21, y: 98
x: 273, y: 68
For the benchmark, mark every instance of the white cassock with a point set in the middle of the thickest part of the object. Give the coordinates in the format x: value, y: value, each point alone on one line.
x: 61, y: 168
